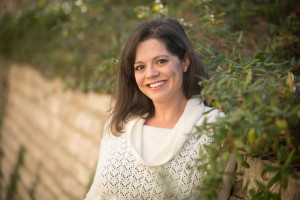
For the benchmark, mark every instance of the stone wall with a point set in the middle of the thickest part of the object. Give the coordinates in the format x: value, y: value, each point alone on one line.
x: 247, y: 178
x: 57, y: 131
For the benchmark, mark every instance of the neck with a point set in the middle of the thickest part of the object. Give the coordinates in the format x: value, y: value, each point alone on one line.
x: 167, y: 114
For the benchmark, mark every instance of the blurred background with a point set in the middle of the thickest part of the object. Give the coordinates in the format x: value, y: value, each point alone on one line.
x: 57, y: 71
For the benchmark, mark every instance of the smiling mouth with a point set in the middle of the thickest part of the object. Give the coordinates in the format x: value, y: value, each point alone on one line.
x: 154, y: 85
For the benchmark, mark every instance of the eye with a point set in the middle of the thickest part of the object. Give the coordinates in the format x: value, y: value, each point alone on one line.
x: 139, y: 67
x: 161, y: 61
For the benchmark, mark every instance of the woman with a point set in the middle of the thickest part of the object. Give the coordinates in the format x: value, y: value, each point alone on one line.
x: 146, y: 148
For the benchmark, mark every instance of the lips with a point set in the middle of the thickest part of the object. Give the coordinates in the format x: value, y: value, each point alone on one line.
x: 154, y: 85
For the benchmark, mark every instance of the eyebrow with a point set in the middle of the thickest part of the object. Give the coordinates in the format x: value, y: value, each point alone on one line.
x: 140, y: 62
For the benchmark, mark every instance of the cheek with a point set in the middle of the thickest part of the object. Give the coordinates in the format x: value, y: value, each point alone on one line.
x: 177, y: 72
x: 138, y: 80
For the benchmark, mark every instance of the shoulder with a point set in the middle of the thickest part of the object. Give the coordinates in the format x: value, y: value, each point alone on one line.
x: 128, y: 125
x: 210, y: 115
x: 196, y: 106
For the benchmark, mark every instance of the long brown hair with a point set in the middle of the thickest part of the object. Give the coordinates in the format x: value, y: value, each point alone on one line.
x: 129, y: 100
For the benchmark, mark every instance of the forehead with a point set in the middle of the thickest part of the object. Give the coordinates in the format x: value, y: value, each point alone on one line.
x: 150, y: 48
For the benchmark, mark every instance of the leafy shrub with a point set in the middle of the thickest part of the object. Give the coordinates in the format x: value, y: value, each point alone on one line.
x: 260, y: 99
x: 260, y: 94
x: 77, y: 40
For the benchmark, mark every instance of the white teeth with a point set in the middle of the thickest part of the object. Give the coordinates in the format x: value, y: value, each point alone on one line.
x: 156, y: 84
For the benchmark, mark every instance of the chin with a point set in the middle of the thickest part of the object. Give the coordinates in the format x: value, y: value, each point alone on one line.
x: 160, y: 99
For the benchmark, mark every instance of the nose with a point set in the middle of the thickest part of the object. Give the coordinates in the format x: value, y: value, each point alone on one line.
x: 151, y: 72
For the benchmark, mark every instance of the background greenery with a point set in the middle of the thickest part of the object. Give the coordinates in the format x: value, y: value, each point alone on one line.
x: 250, y: 49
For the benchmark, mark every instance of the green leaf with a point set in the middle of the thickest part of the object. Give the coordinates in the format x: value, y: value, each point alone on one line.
x: 239, y: 158
x: 288, y: 138
x: 258, y: 196
x: 245, y: 164
x: 240, y: 37
x: 260, y: 185
x: 271, y: 169
x: 251, y: 135
x: 249, y: 65
x: 208, y: 111
x: 217, y: 104
x: 248, y: 79
x: 293, y: 62
x: 252, y: 192
x: 283, y: 182
x: 275, y: 196
x: 274, y: 179
x: 239, y: 143
x: 289, y: 159
x: 225, y: 156
x: 290, y: 79
x: 281, y: 123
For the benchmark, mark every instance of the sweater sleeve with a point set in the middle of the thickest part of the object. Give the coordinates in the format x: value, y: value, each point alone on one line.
x: 94, y: 192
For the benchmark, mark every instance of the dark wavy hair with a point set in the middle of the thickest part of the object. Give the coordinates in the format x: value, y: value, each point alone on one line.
x: 129, y: 100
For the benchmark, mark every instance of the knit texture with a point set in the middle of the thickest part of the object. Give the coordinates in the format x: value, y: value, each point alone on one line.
x: 127, y: 170
x: 154, y: 137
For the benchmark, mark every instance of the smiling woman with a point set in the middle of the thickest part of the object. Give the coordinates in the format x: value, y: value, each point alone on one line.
x: 147, y: 138
x: 171, y: 44
x: 159, y: 74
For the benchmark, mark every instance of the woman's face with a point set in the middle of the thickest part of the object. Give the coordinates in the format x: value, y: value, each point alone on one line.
x: 158, y: 73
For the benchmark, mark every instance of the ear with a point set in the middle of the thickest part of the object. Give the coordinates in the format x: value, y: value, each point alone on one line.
x: 186, y: 63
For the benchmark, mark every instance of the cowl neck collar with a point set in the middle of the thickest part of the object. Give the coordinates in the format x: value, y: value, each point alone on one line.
x: 191, y: 115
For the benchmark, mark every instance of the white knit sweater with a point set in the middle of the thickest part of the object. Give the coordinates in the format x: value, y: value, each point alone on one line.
x: 127, y: 169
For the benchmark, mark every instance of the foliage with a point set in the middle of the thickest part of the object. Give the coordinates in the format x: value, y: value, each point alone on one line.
x: 77, y: 40
x: 260, y: 96
x: 81, y: 40
x: 262, y: 118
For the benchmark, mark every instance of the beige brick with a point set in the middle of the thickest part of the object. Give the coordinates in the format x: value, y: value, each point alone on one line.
x: 36, y: 151
x: 23, y: 191
x: 27, y: 177
x: 8, y: 161
x: 78, y: 146
x: 6, y: 170
x: 72, y: 187
x: 53, y: 105
x: 43, y: 193
x: 254, y: 173
x: 9, y: 144
x: 95, y: 102
x: 59, y: 155
x: 292, y: 191
x: 81, y: 173
x: 61, y: 131
x: 53, y: 187
x: 249, y: 176
x: 29, y: 161
x: 87, y: 122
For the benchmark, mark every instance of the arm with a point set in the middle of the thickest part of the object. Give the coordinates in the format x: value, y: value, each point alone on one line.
x: 94, y: 192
